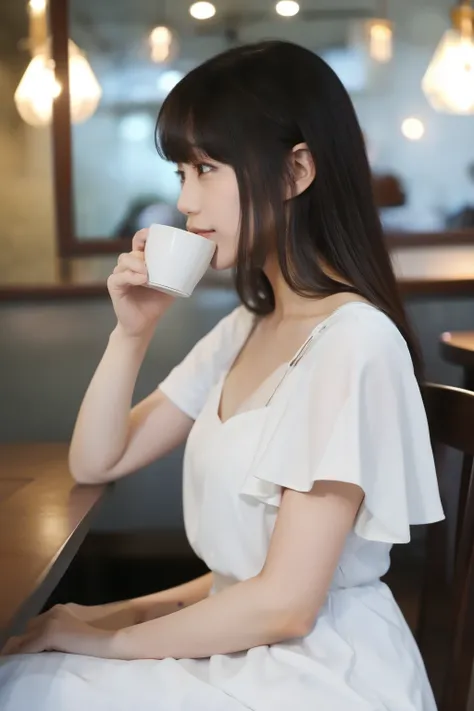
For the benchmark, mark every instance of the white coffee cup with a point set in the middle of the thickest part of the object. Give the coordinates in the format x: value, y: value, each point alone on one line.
x: 176, y: 260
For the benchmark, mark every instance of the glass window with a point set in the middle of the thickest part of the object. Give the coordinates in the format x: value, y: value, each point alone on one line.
x: 422, y: 159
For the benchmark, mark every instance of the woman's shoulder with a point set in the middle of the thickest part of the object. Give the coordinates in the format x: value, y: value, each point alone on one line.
x: 358, y: 334
x: 363, y: 324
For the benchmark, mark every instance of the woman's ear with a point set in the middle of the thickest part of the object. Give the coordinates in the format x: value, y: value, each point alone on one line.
x: 302, y: 169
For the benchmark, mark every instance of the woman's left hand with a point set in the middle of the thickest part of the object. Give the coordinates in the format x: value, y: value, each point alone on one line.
x: 60, y: 630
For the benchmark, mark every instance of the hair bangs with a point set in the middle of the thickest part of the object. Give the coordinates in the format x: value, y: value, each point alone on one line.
x: 173, y: 134
x: 193, y: 122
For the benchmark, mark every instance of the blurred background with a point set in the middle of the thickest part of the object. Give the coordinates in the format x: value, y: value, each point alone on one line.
x: 126, y: 56
x: 79, y: 174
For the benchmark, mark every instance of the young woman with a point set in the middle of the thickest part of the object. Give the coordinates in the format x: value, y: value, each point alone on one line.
x: 308, y: 452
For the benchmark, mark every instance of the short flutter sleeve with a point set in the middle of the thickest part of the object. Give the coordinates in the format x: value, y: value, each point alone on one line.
x: 188, y: 384
x: 351, y: 411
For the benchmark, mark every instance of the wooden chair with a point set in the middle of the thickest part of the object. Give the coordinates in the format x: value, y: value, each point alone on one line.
x: 445, y: 630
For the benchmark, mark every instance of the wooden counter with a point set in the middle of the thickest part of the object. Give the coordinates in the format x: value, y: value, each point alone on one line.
x: 44, y: 517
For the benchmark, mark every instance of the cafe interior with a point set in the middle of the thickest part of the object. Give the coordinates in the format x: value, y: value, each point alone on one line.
x: 81, y: 83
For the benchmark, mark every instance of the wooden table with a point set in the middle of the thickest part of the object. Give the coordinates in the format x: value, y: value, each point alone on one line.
x: 458, y: 347
x: 44, y: 517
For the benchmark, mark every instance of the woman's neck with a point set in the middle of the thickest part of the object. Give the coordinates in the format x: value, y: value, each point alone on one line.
x: 288, y: 304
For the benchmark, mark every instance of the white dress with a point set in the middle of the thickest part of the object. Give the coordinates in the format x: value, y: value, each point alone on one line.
x: 347, y: 409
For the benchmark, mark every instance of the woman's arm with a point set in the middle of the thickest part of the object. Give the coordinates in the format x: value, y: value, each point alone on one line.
x: 282, y: 602
x: 116, y: 615
x: 110, y: 439
x: 237, y: 618
x: 165, y: 602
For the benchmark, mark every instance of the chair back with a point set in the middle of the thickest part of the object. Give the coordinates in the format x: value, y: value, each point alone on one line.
x: 445, y: 630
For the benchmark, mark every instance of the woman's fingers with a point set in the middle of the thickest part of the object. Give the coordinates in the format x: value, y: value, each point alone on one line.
x: 130, y: 271
x: 32, y: 643
x: 131, y: 260
x: 126, y: 278
x: 139, y: 240
x: 11, y: 646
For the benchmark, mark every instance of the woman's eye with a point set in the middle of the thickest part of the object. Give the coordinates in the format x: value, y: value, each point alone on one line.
x: 201, y: 169
x: 204, y: 168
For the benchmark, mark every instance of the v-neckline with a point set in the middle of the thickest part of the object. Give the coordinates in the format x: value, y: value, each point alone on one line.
x: 240, y: 411
x: 287, y: 364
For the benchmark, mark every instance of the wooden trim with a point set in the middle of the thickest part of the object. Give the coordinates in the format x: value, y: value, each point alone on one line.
x: 61, y: 127
x: 408, y: 287
x: 33, y: 292
x: 98, y: 245
x: 408, y: 240
x: 85, y: 247
x: 432, y: 287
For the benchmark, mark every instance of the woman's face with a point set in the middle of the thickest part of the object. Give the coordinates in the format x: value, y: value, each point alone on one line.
x: 210, y: 200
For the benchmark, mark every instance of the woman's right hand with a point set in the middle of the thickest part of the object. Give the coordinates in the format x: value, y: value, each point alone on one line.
x: 137, y: 307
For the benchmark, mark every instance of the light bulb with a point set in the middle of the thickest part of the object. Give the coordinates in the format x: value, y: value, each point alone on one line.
x: 449, y: 80
x: 161, y: 43
x: 202, y: 10
x: 39, y: 88
x: 161, y: 35
x: 287, y: 8
x: 160, y: 53
x: 413, y: 129
x: 37, y: 6
x: 380, y: 35
x: 84, y: 87
x: 36, y: 91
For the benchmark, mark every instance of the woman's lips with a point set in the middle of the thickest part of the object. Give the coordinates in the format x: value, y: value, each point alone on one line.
x: 203, y: 233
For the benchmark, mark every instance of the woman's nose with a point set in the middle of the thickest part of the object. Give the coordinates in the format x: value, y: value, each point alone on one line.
x: 188, y: 200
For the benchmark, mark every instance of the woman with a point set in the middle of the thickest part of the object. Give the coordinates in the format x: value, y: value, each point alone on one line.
x: 308, y: 452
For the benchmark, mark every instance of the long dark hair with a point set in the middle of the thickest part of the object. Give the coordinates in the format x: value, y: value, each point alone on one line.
x: 247, y: 108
